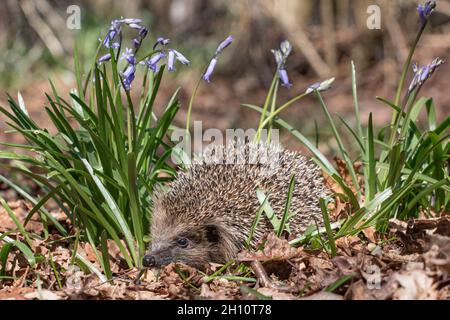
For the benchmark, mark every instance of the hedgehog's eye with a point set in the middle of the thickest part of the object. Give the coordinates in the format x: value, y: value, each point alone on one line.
x: 182, y: 242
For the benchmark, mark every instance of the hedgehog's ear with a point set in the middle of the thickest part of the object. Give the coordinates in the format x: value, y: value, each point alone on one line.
x: 212, y: 233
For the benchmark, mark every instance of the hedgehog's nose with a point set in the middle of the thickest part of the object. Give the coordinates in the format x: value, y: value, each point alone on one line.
x: 149, y: 261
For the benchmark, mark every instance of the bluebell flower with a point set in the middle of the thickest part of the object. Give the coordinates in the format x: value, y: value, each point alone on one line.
x: 212, y: 64
x: 129, y: 56
x: 176, y: 55
x: 286, y: 48
x: 152, y: 63
x: 135, y: 26
x: 320, y: 86
x: 225, y: 43
x: 136, y: 43
x: 161, y: 41
x: 171, y: 60
x: 131, y: 20
x: 104, y: 58
x: 128, y: 76
x: 113, y: 32
x: 210, y: 69
x: 281, y: 56
x: 425, y: 10
x: 180, y: 57
x: 278, y: 57
x: 284, y: 78
x: 143, y: 32
x: 110, y: 36
x: 421, y: 74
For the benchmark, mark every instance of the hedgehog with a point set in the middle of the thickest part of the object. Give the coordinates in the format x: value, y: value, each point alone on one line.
x: 207, y: 213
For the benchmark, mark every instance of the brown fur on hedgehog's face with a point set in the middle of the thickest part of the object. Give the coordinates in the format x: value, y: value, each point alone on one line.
x: 174, y: 239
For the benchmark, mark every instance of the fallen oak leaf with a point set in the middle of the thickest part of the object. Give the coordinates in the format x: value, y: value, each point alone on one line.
x: 275, y: 249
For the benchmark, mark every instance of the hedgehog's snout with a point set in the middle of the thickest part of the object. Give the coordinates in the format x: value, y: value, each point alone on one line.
x: 149, y: 261
x: 157, y: 258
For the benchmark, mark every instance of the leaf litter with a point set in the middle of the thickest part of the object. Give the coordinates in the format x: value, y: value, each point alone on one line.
x: 411, y: 261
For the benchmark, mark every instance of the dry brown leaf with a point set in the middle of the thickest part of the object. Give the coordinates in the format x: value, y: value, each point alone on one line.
x: 277, y: 295
x: 178, y: 287
x: 323, y: 295
x: 14, y: 293
x: 371, y: 234
x: 349, y: 244
x: 20, y: 209
x: 43, y: 295
x: 415, y: 285
x: 220, y: 289
x: 275, y: 249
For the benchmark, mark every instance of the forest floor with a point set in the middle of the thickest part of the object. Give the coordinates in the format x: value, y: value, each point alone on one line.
x: 411, y: 261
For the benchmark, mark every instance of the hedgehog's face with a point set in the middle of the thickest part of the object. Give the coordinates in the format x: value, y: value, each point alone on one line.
x: 175, y: 240
x: 195, y: 247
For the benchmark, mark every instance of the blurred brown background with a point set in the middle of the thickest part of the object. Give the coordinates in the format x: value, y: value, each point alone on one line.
x: 35, y: 45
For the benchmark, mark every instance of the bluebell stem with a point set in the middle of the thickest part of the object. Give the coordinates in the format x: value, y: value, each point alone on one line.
x: 320, y: 86
x: 421, y: 74
x: 104, y: 58
x: 225, y: 43
x: 210, y: 69
x: 284, y: 78
x: 128, y: 76
x: 129, y: 56
x: 425, y: 10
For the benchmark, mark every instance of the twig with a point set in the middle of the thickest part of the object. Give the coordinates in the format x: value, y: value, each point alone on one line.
x: 264, y: 279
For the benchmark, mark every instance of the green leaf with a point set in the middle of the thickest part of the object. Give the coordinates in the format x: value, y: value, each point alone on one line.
x: 136, y: 214
x: 267, y: 208
x: 286, y: 215
x: 28, y: 254
x: 255, y: 223
x: 342, y: 149
x: 326, y: 220
x: 22, y: 104
x: 371, y: 177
